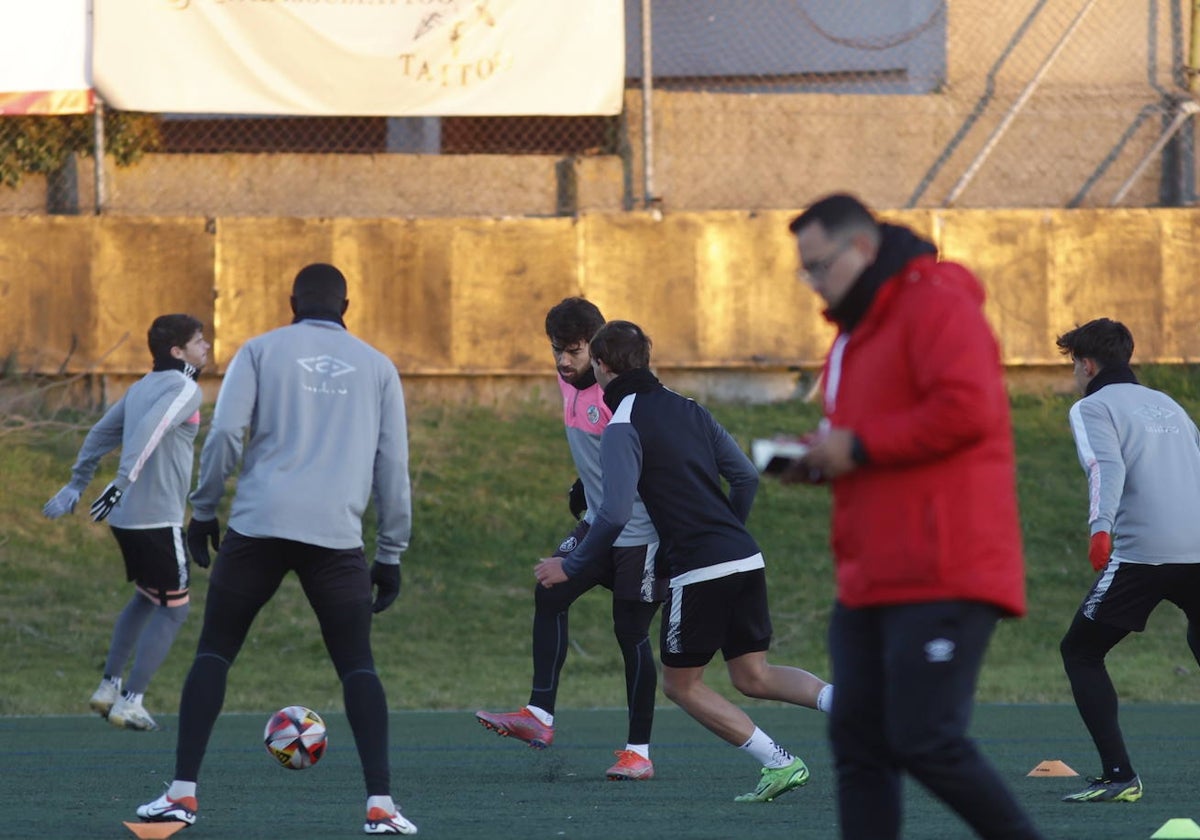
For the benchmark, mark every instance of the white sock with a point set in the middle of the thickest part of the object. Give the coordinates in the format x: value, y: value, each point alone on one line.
x: 116, y: 682
x: 384, y: 802
x: 179, y: 789
x: 133, y: 697
x: 541, y: 714
x: 825, y: 699
x: 763, y: 747
x: 641, y: 749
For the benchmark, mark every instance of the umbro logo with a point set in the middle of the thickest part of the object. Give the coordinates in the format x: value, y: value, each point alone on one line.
x: 326, y: 365
x: 939, y: 650
x: 1154, y: 413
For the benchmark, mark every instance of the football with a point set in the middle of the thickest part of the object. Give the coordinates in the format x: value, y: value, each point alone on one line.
x: 295, y: 737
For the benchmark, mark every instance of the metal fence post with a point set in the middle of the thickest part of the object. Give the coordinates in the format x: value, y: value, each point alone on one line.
x: 98, y: 155
x: 648, y: 197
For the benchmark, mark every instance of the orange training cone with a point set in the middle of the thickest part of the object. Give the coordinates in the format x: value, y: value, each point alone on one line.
x: 154, y: 830
x: 1052, y: 768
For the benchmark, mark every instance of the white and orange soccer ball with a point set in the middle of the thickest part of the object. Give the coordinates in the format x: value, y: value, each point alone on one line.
x: 295, y: 737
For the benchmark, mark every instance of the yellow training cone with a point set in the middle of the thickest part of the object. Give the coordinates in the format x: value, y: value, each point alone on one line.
x: 1180, y: 828
x: 1052, y: 768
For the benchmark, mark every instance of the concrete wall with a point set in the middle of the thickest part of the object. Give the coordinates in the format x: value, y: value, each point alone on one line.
x: 463, y: 300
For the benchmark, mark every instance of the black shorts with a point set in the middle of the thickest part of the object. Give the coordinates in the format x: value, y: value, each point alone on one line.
x: 627, y: 570
x: 728, y: 614
x: 1126, y: 593
x: 253, y: 567
x: 156, y: 561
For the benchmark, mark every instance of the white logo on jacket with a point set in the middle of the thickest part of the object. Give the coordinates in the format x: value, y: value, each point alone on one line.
x: 1155, y: 415
x: 939, y: 650
x: 326, y: 365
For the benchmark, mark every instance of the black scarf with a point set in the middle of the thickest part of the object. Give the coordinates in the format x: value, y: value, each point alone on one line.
x: 318, y: 315
x: 584, y: 382
x: 636, y: 381
x: 1111, y: 376
x: 171, y: 363
x: 897, y: 246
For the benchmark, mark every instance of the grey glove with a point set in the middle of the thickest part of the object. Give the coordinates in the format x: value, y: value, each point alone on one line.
x: 106, y: 501
x: 64, y: 502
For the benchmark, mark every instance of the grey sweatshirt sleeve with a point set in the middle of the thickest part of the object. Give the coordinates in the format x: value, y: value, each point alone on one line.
x: 392, y: 487
x: 735, y: 468
x: 1099, y: 451
x: 172, y: 407
x: 621, y: 469
x: 223, y: 447
x: 101, y: 439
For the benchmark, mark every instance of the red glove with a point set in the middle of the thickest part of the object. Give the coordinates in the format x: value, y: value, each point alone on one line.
x: 1100, y: 549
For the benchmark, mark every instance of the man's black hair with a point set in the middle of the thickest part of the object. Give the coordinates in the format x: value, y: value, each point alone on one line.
x: 1107, y: 341
x: 319, y: 288
x: 573, y: 320
x: 836, y: 213
x: 169, y: 331
x: 622, y: 346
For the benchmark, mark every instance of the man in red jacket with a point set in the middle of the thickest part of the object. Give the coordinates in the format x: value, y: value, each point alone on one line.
x: 916, y: 444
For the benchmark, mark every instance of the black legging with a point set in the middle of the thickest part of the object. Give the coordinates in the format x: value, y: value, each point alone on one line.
x: 631, y: 626
x: 337, y: 584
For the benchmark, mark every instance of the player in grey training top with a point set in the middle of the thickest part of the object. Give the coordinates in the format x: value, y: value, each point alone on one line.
x: 327, y: 428
x: 155, y: 426
x: 1141, y: 453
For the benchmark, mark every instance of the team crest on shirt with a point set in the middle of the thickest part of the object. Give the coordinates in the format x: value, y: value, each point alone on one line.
x: 593, y: 414
x: 568, y: 545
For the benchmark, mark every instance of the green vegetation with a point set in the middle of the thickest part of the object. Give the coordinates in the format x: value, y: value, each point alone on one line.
x: 490, y: 492
x: 41, y: 145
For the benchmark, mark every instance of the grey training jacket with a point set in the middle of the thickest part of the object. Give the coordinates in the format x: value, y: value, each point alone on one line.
x: 155, y: 425
x: 327, y: 428
x: 1141, y: 453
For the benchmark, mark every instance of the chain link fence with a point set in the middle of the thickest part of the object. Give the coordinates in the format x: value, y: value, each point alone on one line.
x: 728, y: 105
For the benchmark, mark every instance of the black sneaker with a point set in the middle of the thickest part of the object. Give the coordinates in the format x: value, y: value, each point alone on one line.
x: 1105, y: 790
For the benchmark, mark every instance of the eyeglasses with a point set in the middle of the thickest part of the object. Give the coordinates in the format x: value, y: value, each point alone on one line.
x: 817, y: 269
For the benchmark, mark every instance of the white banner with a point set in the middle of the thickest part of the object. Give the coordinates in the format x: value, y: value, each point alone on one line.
x: 361, y: 57
x: 44, y: 57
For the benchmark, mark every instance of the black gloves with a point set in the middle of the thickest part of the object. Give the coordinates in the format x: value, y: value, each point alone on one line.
x: 105, y: 502
x: 385, y: 577
x: 576, y: 499
x: 201, y: 532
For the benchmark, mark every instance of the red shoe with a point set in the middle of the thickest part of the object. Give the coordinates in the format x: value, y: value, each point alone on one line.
x: 522, y: 725
x: 630, y: 767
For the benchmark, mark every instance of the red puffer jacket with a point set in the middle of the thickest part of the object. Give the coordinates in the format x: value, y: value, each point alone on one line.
x: 933, y: 514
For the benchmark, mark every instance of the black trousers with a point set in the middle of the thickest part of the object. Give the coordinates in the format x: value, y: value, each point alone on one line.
x: 905, y: 678
x: 337, y: 583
